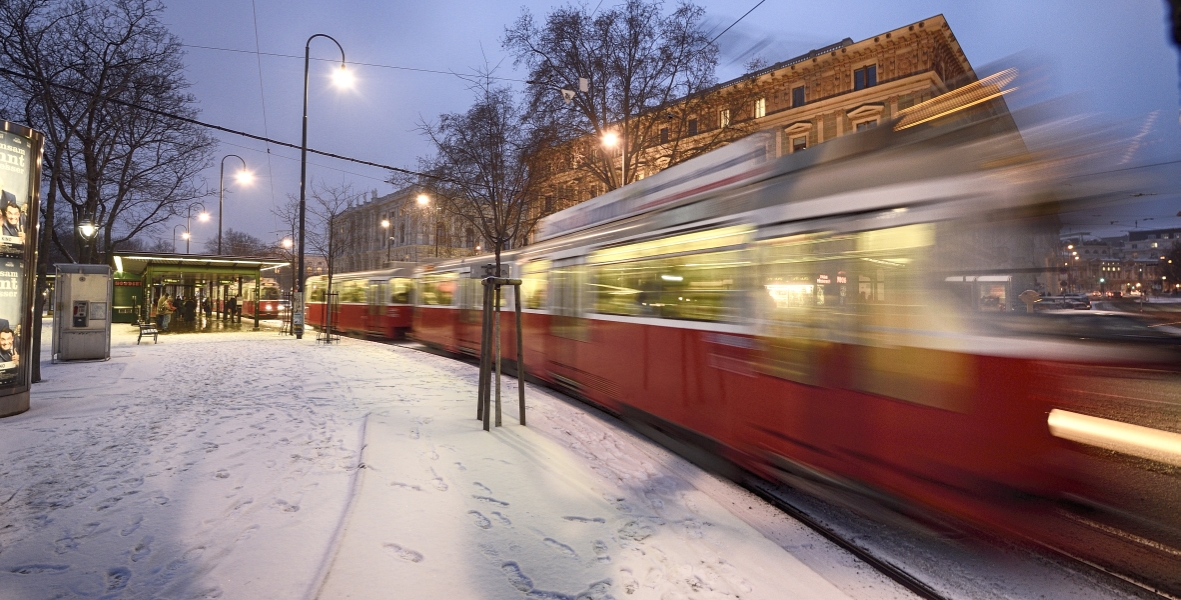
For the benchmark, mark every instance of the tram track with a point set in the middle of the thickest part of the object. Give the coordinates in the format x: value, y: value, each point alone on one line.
x: 1120, y: 585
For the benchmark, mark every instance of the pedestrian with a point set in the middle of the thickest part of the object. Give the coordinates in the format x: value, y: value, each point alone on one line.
x: 190, y: 308
x: 207, y: 308
x: 164, y: 310
x: 232, y: 307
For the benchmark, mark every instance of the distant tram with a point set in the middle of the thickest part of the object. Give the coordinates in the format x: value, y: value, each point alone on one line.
x: 370, y: 303
x: 269, y: 298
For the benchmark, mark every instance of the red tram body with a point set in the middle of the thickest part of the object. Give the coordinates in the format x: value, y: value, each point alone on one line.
x: 372, y: 303
x: 268, y: 300
x: 854, y: 315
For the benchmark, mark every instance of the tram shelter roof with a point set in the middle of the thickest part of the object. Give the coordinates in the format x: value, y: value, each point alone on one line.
x: 193, y: 268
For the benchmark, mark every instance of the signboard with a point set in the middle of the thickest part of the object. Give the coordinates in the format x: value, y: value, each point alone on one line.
x: 20, y: 169
x: 15, y: 172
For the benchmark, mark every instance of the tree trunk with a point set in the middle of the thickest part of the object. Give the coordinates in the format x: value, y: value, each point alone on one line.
x: 43, y: 242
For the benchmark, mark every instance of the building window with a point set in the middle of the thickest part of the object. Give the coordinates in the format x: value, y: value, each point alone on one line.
x: 692, y: 126
x: 797, y: 96
x: 724, y: 118
x: 799, y: 143
x: 664, y: 135
x: 864, y: 77
x: 866, y: 125
x: 760, y: 108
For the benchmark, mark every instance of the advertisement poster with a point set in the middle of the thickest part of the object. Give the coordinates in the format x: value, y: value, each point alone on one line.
x: 12, y: 310
x: 16, y: 163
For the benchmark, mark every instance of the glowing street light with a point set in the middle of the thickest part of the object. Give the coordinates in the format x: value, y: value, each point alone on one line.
x: 423, y: 199
x: 611, y: 140
x: 341, y: 78
x: 287, y: 243
x: 385, y: 224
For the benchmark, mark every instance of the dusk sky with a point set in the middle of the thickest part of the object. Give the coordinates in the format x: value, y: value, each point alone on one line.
x: 1114, y: 57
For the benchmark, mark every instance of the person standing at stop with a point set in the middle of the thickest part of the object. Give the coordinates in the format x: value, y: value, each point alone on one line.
x: 163, y: 312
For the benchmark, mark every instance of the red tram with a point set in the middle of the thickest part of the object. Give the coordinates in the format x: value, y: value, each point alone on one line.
x: 855, y: 314
x: 372, y: 303
x: 269, y: 299
x: 859, y: 314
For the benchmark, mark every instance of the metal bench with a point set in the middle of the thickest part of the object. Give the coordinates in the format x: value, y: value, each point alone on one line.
x: 148, y: 329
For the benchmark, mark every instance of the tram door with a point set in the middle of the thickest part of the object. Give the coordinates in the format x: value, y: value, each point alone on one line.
x: 375, y: 300
x: 568, y: 327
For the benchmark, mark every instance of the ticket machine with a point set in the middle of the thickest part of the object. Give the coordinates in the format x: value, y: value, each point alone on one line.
x: 83, y: 329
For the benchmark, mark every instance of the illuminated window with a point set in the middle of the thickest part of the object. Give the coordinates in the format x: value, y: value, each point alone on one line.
x: 797, y: 96
x: 760, y: 108
x: 724, y: 118
x: 864, y: 77
x: 799, y: 143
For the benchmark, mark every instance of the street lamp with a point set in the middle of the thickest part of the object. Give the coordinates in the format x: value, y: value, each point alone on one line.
x: 243, y: 177
x: 88, y: 230
x: 610, y: 140
x: 342, y: 79
x: 385, y: 224
x: 184, y: 235
x: 201, y: 216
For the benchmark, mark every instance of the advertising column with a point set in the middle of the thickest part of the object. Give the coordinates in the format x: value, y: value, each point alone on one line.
x: 20, y: 203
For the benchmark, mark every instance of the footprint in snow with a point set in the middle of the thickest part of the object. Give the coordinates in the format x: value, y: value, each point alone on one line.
x: 490, y: 500
x: 130, y: 529
x: 117, y: 578
x: 38, y: 569
x: 486, y: 489
x: 560, y: 547
x: 431, y: 454
x: 405, y: 486
x: 222, y: 474
x: 503, y: 519
x: 405, y: 554
x: 481, y: 521
x: 600, y: 549
x: 460, y: 466
x: 586, y: 519
x: 414, y: 434
x: 141, y: 550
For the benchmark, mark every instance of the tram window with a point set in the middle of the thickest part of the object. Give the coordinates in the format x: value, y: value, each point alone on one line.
x: 316, y: 291
x: 438, y: 290
x: 400, y: 290
x: 352, y: 291
x: 533, y: 284
x: 697, y: 287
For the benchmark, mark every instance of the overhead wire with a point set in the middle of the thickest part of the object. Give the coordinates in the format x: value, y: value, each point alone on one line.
x: 263, y: 97
x: 223, y: 129
x: 736, y: 22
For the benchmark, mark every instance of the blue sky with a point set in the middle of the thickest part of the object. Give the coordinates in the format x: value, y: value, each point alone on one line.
x: 1113, y: 57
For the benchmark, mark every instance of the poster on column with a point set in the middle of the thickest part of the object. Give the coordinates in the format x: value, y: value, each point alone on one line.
x: 12, y: 310
x: 16, y: 164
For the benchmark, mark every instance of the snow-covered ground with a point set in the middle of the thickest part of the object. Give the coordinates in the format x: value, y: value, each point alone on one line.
x: 250, y: 465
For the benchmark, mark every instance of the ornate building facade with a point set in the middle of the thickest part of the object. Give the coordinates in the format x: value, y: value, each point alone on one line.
x: 417, y: 231
x: 807, y: 100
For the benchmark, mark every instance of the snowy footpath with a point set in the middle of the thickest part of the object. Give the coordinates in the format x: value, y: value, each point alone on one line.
x: 249, y: 465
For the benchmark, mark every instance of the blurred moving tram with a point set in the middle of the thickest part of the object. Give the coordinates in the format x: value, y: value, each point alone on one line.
x: 371, y: 303
x: 268, y: 300
x: 858, y: 315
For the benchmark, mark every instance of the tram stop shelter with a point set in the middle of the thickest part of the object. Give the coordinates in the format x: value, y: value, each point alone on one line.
x: 140, y: 278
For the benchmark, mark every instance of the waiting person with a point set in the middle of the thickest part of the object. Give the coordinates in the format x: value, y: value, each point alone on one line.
x: 232, y: 307
x: 164, y: 312
x: 8, y: 351
x: 207, y: 308
x: 190, y: 308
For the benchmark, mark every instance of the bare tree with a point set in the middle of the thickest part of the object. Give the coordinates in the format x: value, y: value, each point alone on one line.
x: 79, y: 64
x: 238, y: 243
x: 324, y: 233
x: 483, y: 171
x: 646, y: 72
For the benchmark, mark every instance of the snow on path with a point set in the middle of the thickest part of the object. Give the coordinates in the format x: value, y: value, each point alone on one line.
x: 231, y: 465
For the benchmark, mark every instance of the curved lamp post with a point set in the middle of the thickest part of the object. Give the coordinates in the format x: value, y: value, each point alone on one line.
x: 184, y: 235
x: 243, y: 177
x: 341, y: 78
x: 201, y: 216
